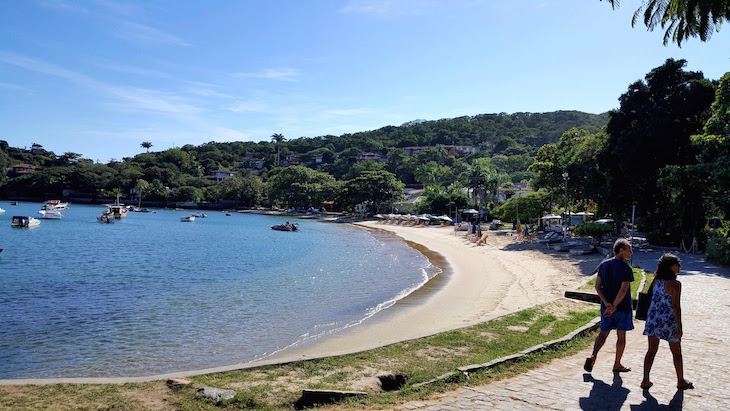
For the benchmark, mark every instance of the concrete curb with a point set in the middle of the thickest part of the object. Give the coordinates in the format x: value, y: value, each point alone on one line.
x: 463, y: 372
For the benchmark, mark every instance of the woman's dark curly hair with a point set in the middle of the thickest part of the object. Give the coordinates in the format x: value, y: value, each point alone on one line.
x: 664, y: 269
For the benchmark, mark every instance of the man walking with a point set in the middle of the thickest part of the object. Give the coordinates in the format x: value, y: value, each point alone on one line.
x: 613, y: 285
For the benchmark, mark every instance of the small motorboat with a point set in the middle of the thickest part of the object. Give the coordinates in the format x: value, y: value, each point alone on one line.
x: 106, y: 218
x: 187, y: 218
x: 24, y: 221
x: 49, y: 212
x: 2, y: 210
x: 285, y: 227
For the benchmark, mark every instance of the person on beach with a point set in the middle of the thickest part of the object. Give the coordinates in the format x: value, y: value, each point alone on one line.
x: 613, y: 286
x: 664, y: 319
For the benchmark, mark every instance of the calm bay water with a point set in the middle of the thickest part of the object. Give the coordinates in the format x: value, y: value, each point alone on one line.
x: 151, y: 295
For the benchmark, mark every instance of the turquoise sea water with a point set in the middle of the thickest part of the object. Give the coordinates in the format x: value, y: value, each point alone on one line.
x: 151, y: 295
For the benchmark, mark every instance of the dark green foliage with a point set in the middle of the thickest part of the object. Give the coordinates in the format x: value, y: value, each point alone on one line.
x: 517, y: 136
x: 682, y: 19
x: 718, y: 251
x: 595, y: 230
x: 648, y: 133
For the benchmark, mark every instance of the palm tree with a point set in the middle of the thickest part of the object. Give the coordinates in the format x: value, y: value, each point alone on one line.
x: 682, y: 18
x: 278, y: 138
x: 147, y: 145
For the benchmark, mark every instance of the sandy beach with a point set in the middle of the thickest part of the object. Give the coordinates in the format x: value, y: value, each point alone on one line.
x: 479, y: 283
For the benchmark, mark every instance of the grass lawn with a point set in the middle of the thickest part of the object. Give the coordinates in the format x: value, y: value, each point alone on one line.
x: 590, y: 286
x: 277, y: 387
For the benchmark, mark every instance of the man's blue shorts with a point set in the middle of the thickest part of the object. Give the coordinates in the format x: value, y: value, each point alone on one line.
x: 619, y: 320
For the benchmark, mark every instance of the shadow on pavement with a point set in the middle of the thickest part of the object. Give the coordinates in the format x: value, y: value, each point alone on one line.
x: 650, y: 403
x: 604, y: 396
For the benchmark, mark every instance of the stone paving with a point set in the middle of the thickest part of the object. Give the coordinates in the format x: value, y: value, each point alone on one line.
x: 563, y: 385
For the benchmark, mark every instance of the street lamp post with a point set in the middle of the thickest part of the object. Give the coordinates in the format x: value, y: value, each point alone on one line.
x: 567, y: 215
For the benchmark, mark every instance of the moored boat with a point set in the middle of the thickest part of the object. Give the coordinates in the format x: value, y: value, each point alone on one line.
x: 57, y: 204
x: 1, y: 211
x: 187, y: 218
x: 285, y: 227
x: 25, y: 221
x: 49, y: 212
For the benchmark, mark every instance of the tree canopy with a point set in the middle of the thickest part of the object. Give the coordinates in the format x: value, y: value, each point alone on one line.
x: 682, y: 19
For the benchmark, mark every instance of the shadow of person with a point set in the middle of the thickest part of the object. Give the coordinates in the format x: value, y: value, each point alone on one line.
x: 650, y: 403
x: 604, y: 396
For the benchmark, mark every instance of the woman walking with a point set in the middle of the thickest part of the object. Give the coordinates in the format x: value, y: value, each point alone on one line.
x: 664, y: 319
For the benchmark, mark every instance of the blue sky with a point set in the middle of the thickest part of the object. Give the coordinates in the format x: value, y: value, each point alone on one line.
x: 98, y: 77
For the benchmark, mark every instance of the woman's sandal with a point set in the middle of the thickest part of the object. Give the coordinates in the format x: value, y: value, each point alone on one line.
x: 687, y: 386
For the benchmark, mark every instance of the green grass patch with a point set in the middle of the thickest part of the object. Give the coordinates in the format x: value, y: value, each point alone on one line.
x: 277, y: 387
x: 590, y: 286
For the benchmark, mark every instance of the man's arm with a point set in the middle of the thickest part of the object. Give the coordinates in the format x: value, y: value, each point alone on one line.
x: 620, y: 296
x: 599, y: 291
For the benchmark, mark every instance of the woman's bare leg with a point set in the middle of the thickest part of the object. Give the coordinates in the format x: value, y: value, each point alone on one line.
x: 649, y: 360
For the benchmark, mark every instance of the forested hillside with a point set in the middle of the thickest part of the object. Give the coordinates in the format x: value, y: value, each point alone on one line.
x: 187, y: 173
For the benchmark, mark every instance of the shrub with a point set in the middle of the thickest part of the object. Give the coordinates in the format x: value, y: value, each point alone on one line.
x: 595, y: 230
x: 718, y: 251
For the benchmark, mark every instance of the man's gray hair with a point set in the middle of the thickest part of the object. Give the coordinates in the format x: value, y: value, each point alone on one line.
x: 620, y: 244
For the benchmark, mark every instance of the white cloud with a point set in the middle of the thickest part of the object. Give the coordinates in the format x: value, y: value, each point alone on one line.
x: 146, y: 34
x: 14, y: 87
x: 282, y: 74
x: 390, y: 8
x: 348, y: 112
x: 144, y: 100
x: 251, y: 106
x: 135, y: 98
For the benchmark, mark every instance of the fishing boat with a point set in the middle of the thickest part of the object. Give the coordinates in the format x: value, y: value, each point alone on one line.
x: 24, y: 221
x: 187, y: 218
x: 285, y: 227
x: 49, y: 212
x: 118, y: 210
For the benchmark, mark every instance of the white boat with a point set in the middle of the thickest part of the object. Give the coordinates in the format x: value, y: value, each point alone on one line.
x: 57, y: 204
x: 50, y: 213
x: 187, y: 218
x: 2, y: 210
x: 25, y: 221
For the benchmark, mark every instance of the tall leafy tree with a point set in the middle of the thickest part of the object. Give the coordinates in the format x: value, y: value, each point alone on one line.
x: 299, y: 186
x: 682, y: 19
x: 712, y: 171
x: 380, y: 188
x: 651, y: 130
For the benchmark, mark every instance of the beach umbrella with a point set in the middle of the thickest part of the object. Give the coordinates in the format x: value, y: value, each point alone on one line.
x: 470, y: 211
x: 446, y: 218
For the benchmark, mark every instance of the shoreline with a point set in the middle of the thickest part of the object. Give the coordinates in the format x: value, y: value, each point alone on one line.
x: 476, y: 284
x: 481, y: 283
